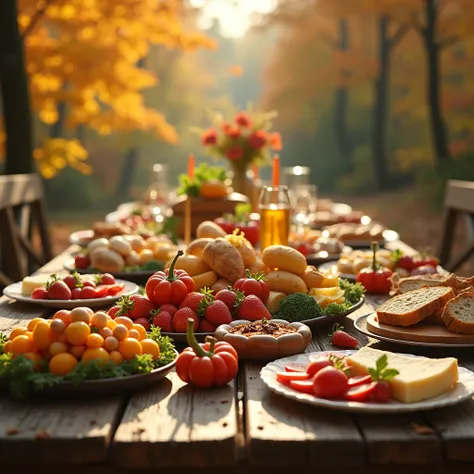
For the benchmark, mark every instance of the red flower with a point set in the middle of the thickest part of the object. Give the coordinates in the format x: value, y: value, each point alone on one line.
x: 275, y: 141
x: 226, y: 127
x: 257, y: 139
x: 233, y: 132
x: 243, y: 119
x: 234, y: 152
x: 209, y: 137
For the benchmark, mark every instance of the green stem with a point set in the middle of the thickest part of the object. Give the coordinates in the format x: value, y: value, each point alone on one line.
x: 374, y: 256
x: 194, y: 344
x: 171, y: 275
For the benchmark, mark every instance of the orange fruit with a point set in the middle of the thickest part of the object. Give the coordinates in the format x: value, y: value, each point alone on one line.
x: 64, y: 315
x: 121, y: 332
x: 36, y: 358
x: 111, y: 343
x: 126, y: 321
x: 99, y: 320
x: 94, y: 341
x: 57, y: 348
x: 62, y: 364
x: 17, y: 332
x: 116, y: 357
x: 111, y: 324
x: 134, y: 333
x: 77, y: 333
x: 213, y: 189
x: 7, y: 347
x: 149, y: 346
x: 31, y: 325
x: 141, y: 330
x: 81, y: 313
x: 42, y: 335
x: 77, y: 351
x: 94, y: 354
x: 58, y: 326
x: 129, y: 348
x: 61, y: 338
x: 106, y: 332
x: 22, y: 344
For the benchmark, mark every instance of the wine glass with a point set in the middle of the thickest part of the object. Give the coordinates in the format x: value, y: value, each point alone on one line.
x: 274, y: 207
x: 304, y: 199
x: 158, y: 192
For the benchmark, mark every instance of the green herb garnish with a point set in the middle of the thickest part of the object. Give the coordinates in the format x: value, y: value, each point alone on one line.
x: 381, y: 371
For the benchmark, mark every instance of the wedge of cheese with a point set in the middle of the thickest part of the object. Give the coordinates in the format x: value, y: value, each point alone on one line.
x: 419, y: 378
x: 274, y: 299
x: 30, y: 283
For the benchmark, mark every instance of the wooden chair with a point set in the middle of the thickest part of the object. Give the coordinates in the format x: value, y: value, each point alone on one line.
x: 458, y: 202
x: 21, y: 212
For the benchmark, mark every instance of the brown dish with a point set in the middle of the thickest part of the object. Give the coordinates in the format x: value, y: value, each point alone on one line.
x: 265, y: 340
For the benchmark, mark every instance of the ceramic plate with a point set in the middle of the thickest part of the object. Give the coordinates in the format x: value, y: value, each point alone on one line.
x: 463, y: 390
x: 388, y: 236
x: 14, y: 291
x: 82, y: 237
x: 137, y: 275
x: 361, y: 325
x: 321, y: 257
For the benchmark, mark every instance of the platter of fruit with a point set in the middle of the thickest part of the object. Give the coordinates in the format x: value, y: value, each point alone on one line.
x: 123, y: 256
x: 69, y: 291
x: 81, y: 351
x: 369, y: 381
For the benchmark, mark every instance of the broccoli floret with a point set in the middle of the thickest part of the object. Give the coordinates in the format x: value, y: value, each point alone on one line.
x: 298, y: 307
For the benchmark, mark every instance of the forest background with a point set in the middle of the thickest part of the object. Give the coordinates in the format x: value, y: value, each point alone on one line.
x: 375, y: 96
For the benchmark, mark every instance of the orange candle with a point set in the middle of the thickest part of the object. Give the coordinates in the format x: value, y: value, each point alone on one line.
x: 255, y: 171
x: 276, y: 171
x: 191, y: 164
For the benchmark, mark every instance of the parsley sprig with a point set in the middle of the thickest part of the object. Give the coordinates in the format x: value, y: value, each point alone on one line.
x: 382, y: 372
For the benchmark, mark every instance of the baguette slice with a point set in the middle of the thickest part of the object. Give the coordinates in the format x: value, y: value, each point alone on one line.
x: 410, y: 308
x: 458, y: 314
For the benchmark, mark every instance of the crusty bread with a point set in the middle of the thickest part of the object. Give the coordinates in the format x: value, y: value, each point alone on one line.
x: 458, y: 314
x: 410, y: 308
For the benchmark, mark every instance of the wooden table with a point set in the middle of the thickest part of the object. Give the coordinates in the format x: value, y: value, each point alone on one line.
x: 239, y: 428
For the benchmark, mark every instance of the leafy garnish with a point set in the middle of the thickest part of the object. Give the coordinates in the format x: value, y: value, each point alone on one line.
x: 381, y: 371
x: 204, y: 172
x: 339, y: 363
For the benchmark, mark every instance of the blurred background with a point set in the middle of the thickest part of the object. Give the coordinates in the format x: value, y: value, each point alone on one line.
x: 375, y: 96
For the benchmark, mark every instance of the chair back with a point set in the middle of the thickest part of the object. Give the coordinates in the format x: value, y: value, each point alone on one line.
x: 458, y: 202
x: 24, y: 239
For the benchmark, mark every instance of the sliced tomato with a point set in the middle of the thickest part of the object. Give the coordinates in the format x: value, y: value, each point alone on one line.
x: 360, y: 393
x: 115, y: 289
x: 317, y: 364
x: 295, y: 367
x: 359, y: 380
x: 102, y: 291
x: 286, y: 377
x: 304, y: 386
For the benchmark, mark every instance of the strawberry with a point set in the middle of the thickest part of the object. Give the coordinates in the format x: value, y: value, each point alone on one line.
x: 218, y: 313
x: 180, y: 319
x: 341, y: 339
x: 253, y: 309
x: 76, y: 293
x: 206, y: 326
x: 57, y: 289
x: 169, y: 308
x: 141, y: 307
x: 144, y: 322
x: 115, y: 311
x: 192, y: 300
x: 164, y: 320
x: 231, y: 298
x: 40, y: 294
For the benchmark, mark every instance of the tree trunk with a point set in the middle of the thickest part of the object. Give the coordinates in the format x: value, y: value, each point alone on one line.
x: 341, y: 106
x: 14, y: 93
x: 438, y: 128
x: 58, y: 126
x: 379, y: 158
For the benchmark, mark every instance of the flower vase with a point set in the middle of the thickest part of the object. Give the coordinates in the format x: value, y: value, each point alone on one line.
x: 240, y: 182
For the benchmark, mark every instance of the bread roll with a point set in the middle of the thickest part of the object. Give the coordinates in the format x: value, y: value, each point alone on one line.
x: 106, y: 260
x: 132, y: 259
x: 206, y: 279
x: 312, y: 278
x: 191, y: 264
x: 120, y: 245
x: 97, y: 244
x: 258, y: 266
x: 196, y: 247
x: 284, y: 258
x: 209, y: 229
x: 221, y: 284
x: 282, y: 281
x: 224, y: 259
x: 136, y: 241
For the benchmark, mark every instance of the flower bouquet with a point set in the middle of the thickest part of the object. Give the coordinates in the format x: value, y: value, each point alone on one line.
x: 243, y: 140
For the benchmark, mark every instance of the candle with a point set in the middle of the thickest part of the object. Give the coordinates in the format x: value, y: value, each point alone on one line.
x: 255, y: 171
x: 276, y: 171
x: 191, y: 163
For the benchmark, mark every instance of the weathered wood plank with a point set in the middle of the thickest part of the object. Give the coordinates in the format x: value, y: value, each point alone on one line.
x: 56, y: 432
x: 175, y: 425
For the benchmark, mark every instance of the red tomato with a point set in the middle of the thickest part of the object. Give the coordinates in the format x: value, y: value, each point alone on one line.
x: 359, y: 380
x: 88, y: 283
x: 360, y: 393
x: 253, y: 284
x: 286, y: 377
x: 227, y: 227
x: 330, y: 383
x: 115, y: 289
x: 107, y: 279
x: 82, y: 262
x: 406, y: 262
x: 316, y: 365
x: 303, y: 386
x: 295, y: 367
x: 101, y: 291
x: 88, y: 293
x: 40, y: 294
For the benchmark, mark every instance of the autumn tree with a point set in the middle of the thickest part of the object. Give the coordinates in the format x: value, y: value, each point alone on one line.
x: 82, y: 59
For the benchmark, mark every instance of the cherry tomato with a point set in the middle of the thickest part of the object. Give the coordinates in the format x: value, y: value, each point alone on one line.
x: 304, y: 386
x: 358, y: 380
x: 330, y: 383
x: 286, y: 377
x: 360, y: 393
x: 316, y: 365
x: 40, y: 294
x: 253, y: 284
x: 295, y: 367
x: 101, y: 291
x: 406, y: 262
x: 87, y: 293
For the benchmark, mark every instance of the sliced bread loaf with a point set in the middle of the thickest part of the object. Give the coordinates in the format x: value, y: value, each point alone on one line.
x: 458, y: 314
x: 412, y: 307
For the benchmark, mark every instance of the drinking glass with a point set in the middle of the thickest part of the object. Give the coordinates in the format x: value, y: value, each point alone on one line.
x: 158, y: 192
x: 274, y: 207
x: 304, y: 200
x: 296, y: 175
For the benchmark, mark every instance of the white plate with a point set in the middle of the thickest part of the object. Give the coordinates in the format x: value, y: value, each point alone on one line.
x: 14, y: 291
x: 82, y: 237
x: 361, y: 325
x: 463, y: 390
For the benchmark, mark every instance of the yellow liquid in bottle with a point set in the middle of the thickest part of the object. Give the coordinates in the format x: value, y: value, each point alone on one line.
x: 274, y: 225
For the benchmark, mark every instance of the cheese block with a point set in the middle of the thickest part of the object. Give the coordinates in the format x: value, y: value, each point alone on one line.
x: 274, y: 299
x: 30, y: 283
x: 419, y: 378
